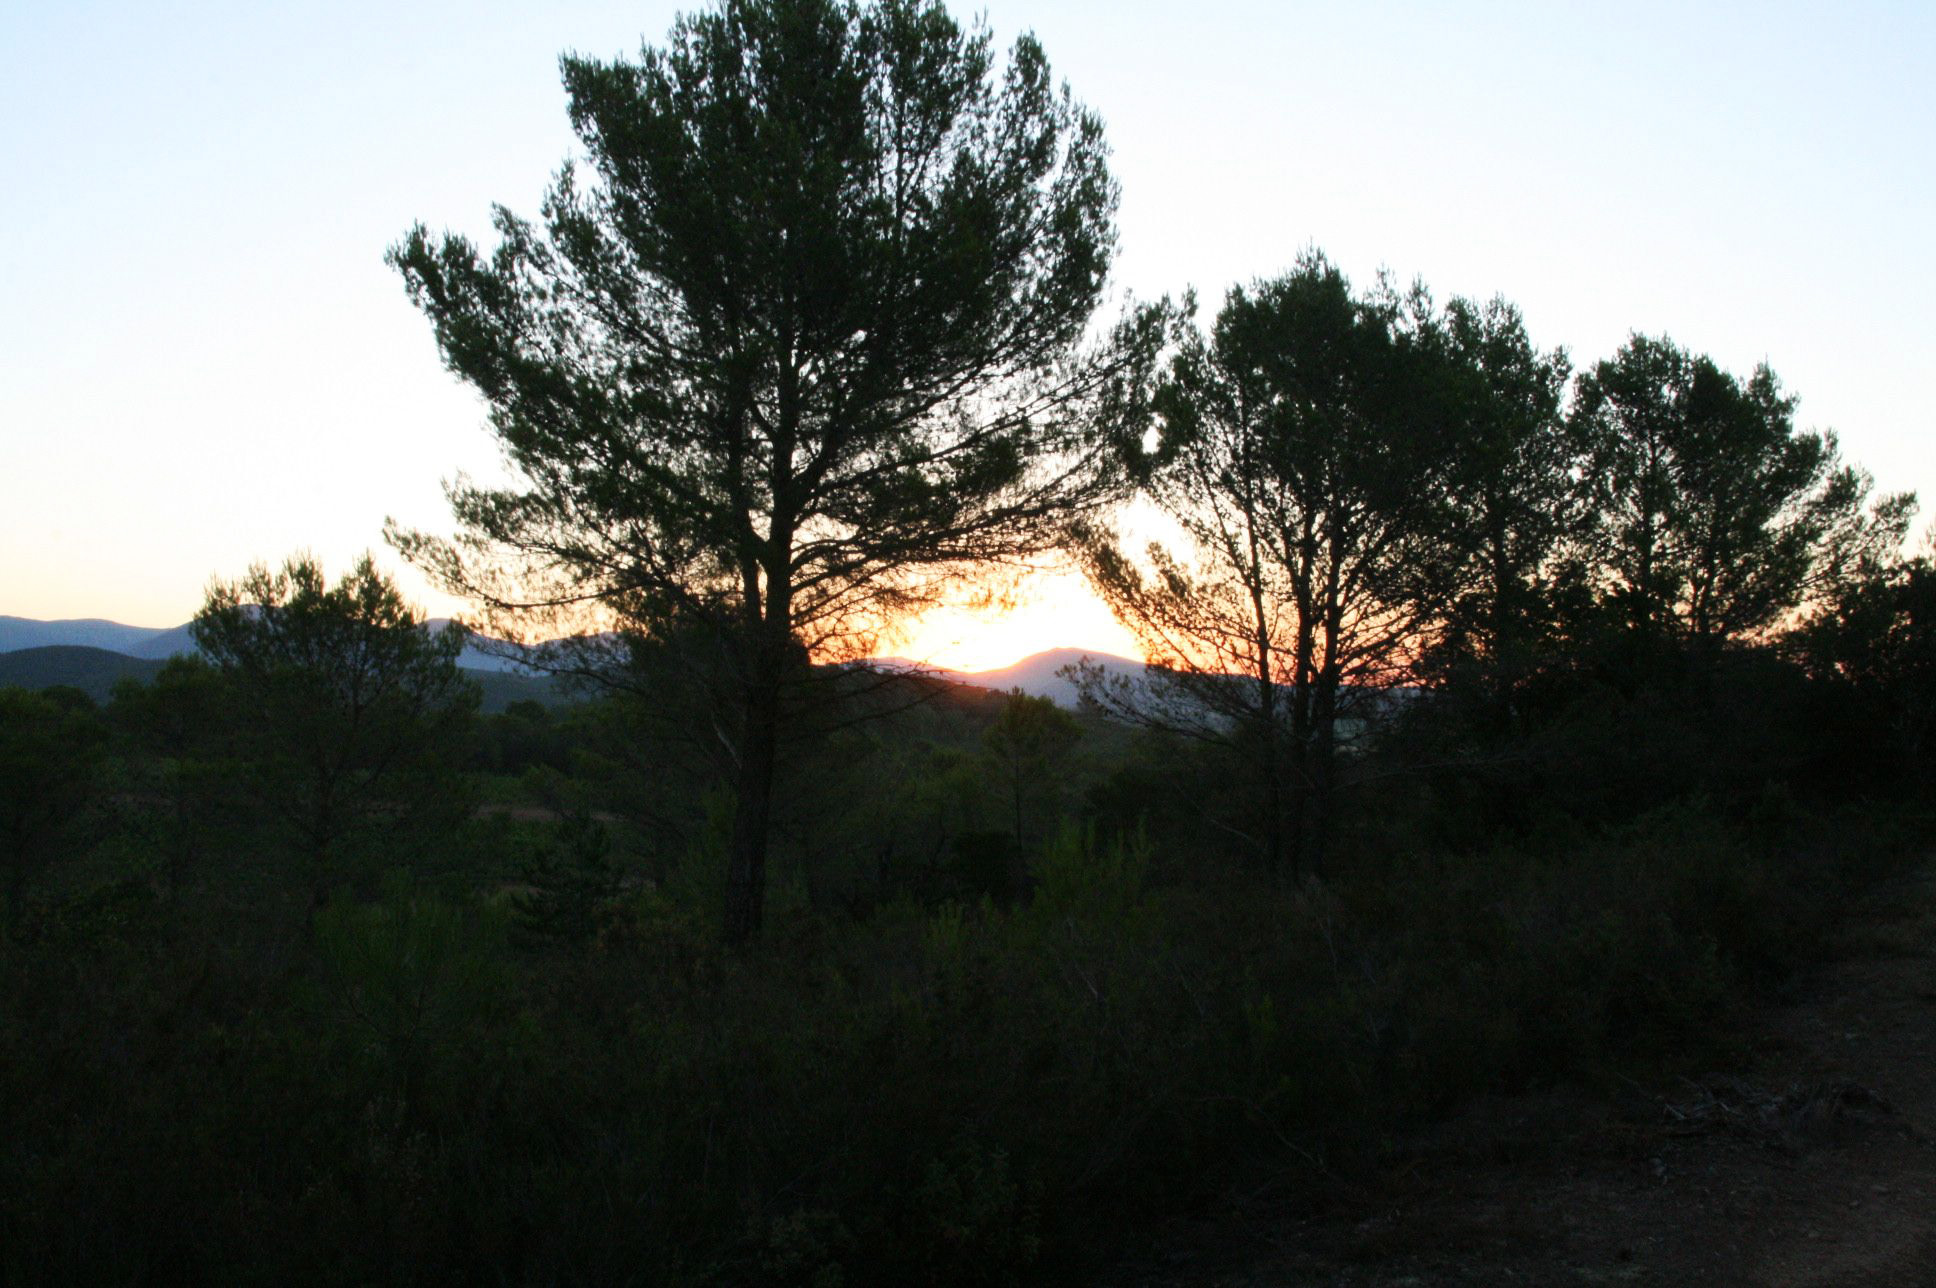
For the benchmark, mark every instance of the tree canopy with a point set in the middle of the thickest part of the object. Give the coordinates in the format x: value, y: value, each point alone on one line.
x: 1514, y: 493
x: 1711, y: 512
x: 344, y: 698
x: 1305, y: 463
x: 1371, y: 495
x: 1026, y: 744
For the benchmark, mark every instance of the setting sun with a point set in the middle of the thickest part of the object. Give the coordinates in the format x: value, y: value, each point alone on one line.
x: 1048, y: 608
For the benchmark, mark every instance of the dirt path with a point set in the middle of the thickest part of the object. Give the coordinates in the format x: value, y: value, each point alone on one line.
x: 1811, y: 1163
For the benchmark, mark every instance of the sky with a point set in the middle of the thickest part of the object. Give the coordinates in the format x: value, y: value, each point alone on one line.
x: 205, y: 362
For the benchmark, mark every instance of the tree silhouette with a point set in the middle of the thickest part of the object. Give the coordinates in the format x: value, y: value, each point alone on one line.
x: 1026, y: 743
x: 1875, y: 630
x: 184, y: 719
x: 1712, y: 514
x: 805, y: 345
x: 1515, y: 492
x: 346, y: 699
x: 1304, y: 459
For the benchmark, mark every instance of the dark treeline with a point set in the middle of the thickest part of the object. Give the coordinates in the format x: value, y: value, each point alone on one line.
x: 1509, y: 725
x: 1411, y: 533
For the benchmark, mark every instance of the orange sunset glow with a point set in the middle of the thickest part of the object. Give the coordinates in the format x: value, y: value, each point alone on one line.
x: 1048, y: 608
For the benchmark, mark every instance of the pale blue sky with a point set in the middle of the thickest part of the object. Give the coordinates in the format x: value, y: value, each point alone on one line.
x: 204, y: 360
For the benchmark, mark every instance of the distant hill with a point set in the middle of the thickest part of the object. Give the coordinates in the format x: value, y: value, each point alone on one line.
x: 501, y: 688
x: 165, y: 644
x: 1039, y: 675
x: 474, y: 658
x: 94, y: 671
x: 1035, y: 675
x: 502, y: 679
x: 134, y: 641
x: 162, y: 642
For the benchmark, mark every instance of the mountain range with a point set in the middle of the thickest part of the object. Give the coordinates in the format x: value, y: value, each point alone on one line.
x: 93, y: 655
x: 159, y: 643
x: 1038, y: 674
x: 151, y: 642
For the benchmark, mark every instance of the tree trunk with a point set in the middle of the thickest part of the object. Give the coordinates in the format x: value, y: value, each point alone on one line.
x: 16, y: 862
x: 1274, y: 847
x: 1503, y: 660
x: 753, y: 808
x: 1267, y: 755
x: 1324, y: 754
x: 1303, y: 676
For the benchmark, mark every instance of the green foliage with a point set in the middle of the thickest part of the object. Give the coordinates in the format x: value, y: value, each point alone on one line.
x: 1078, y: 875
x: 412, y: 976
x: 345, y: 706
x: 1026, y: 745
x: 932, y: 1094
x: 975, y: 1218
x: 1874, y: 636
x: 525, y: 736
x: 52, y: 749
x: 183, y: 722
x: 571, y: 884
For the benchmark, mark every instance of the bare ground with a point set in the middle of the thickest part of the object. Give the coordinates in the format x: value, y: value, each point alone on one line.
x: 1811, y: 1162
